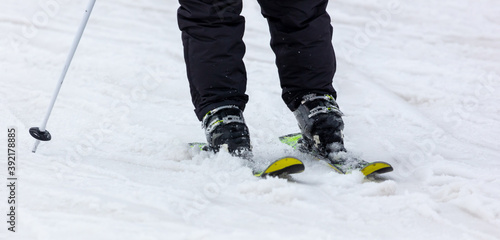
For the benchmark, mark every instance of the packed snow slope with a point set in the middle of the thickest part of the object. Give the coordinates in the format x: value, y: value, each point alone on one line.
x: 418, y: 82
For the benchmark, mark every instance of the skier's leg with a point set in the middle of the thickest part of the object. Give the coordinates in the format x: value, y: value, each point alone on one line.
x: 212, y: 32
x: 301, y: 38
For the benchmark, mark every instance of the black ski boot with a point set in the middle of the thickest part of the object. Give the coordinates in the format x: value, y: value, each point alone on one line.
x: 226, y: 128
x: 320, y: 122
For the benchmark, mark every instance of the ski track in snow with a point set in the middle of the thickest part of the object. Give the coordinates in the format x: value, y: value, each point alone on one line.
x: 418, y: 83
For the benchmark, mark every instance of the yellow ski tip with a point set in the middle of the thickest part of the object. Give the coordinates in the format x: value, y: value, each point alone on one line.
x: 376, y: 167
x: 285, y: 165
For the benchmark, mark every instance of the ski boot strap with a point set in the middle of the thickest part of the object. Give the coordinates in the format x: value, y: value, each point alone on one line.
x: 211, y: 120
x: 329, y: 104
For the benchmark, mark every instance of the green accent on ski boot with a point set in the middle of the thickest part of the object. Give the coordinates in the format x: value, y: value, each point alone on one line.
x: 282, y: 166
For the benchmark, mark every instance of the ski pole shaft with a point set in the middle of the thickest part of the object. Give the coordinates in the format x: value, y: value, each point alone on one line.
x: 41, y: 134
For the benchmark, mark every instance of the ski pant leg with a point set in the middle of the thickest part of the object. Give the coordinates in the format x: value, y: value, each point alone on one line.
x: 212, y: 32
x: 301, y: 38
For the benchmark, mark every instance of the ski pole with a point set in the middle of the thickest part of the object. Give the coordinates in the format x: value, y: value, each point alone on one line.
x: 40, y: 133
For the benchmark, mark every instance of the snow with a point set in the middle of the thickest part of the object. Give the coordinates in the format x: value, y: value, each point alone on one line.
x: 418, y: 82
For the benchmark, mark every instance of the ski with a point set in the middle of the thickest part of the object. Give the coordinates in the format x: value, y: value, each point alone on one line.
x: 281, y: 167
x: 367, y: 168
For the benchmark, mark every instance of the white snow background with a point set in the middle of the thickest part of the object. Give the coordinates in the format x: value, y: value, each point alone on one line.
x: 418, y: 81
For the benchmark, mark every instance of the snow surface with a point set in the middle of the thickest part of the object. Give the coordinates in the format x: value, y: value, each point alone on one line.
x: 418, y: 82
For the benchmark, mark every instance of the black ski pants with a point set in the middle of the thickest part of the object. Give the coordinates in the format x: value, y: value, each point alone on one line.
x: 212, y: 32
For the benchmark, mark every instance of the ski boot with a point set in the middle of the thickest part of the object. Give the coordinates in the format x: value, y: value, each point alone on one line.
x: 321, y: 124
x: 225, y: 128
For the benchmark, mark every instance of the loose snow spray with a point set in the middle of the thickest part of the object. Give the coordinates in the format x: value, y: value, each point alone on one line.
x: 40, y: 133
